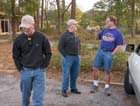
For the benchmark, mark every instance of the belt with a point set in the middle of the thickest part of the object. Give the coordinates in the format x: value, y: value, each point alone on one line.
x: 106, y: 50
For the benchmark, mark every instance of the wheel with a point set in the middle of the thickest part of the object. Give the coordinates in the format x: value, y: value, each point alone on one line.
x: 127, y: 86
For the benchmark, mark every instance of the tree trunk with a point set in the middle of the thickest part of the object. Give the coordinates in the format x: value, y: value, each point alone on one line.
x: 73, y: 9
x: 136, y: 30
x: 133, y: 18
x: 13, y: 19
x: 46, y: 12
x: 64, y: 11
x: 118, y: 11
x: 63, y: 15
x: 37, y: 19
x: 42, y: 13
x: 58, y: 13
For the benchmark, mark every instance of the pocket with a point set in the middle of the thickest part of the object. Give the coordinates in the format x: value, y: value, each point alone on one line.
x: 113, y: 56
x: 25, y: 69
x: 41, y: 70
x: 109, y: 55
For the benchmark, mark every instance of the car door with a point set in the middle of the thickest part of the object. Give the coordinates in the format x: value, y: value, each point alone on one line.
x: 134, y: 67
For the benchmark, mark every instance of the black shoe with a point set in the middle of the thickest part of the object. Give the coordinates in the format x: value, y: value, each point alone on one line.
x: 64, y: 93
x: 76, y: 91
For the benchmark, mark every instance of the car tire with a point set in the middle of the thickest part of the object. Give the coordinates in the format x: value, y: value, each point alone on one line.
x: 127, y: 86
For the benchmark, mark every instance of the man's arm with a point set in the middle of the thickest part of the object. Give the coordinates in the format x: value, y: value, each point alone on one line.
x: 61, y: 45
x: 17, y: 55
x: 97, y: 31
x: 119, y: 42
x: 47, y: 52
x: 117, y: 49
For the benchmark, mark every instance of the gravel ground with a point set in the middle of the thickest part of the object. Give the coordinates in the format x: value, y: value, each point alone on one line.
x: 10, y: 95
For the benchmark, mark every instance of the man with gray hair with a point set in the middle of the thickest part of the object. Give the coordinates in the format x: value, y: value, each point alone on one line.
x: 69, y: 47
x: 31, y: 54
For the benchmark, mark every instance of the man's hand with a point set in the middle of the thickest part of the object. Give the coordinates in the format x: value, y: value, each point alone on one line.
x: 97, y: 30
x: 117, y: 49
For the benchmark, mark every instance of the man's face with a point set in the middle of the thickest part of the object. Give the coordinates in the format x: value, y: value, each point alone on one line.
x: 73, y: 27
x: 29, y: 30
x: 109, y: 23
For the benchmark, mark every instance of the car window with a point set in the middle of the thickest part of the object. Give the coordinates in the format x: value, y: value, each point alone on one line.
x: 138, y: 50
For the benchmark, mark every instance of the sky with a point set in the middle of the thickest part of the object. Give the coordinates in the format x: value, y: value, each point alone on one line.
x: 85, y: 5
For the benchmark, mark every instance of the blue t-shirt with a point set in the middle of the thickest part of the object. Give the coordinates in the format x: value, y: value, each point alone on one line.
x: 110, y: 38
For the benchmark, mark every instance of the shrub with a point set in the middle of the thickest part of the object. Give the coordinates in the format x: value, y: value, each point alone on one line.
x: 55, y: 61
x: 87, y: 56
x: 120, y: 62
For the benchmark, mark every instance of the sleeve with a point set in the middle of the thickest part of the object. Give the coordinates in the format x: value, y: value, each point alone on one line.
x: 17, y: 55
x: 100, y: 34
x: 119, y: 39
x: 61, y: 46
x: 46, y: 52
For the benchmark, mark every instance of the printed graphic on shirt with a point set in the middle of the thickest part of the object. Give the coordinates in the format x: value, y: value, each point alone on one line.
x: 109, y: 37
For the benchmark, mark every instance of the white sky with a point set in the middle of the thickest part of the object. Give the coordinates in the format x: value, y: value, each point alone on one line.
x: 85, y: 5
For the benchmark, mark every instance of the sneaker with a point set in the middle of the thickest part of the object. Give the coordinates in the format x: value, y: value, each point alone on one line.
x: 95, y: 89
x: 64, y: 93
x: 107, y: 92
x: 76, y: 91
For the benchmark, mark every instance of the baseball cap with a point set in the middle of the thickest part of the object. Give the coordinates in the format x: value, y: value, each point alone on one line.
x: 71, y: 22
x: 27, y: 21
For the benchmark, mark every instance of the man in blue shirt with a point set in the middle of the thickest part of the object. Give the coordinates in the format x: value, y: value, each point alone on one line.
x: 111, y: 42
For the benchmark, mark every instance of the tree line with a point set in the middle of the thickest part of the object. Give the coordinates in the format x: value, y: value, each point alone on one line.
x: 15, y: 9
x: 56, y: 12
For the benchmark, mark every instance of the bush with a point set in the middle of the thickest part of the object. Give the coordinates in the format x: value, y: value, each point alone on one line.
x: 55, y: 61
x: 49, y: 31
x: 87, y: 56
x: 86, y: 59
x: 120, y: 62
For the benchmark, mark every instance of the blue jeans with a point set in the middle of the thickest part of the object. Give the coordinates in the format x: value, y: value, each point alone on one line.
x: 103, y: 59
x: 70, y: 71
x: 32, y: 80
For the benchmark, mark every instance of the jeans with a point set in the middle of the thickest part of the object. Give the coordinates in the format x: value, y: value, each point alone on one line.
x: 32, y: 80
x: 70, y: 71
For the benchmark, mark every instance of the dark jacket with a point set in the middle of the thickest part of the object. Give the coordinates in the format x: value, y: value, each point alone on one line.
x: 31, y: 52
x: 69, y: 44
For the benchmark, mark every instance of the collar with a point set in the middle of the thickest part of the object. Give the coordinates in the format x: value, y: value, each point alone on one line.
x: 70, y: 32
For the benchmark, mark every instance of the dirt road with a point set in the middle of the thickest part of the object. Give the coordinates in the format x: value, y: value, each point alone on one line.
x: 10, y: 95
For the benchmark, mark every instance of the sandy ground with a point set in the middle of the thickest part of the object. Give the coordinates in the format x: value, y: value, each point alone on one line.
x: 10, y: 95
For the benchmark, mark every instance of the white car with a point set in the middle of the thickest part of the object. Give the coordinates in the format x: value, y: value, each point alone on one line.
x: 132, y: 76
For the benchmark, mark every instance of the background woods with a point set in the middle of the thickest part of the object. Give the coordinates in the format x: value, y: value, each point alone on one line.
x: 51, y: 15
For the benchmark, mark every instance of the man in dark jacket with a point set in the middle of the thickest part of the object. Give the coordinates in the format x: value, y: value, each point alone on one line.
x: 31, y: 54
x: 69, y: 47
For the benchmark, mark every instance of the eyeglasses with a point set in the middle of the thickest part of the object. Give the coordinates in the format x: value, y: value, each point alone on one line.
x: 108, y: 20
x: 23, y: 28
